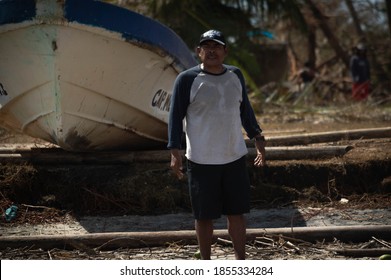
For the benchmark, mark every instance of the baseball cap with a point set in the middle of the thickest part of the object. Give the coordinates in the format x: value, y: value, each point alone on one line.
x: 213, y: 35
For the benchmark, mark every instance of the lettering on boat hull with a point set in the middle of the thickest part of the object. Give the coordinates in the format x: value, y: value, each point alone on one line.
x: 161, y: 100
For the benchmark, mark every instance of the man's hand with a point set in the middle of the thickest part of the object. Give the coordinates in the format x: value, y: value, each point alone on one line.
x: 176, y: 163
x: 260, y: 159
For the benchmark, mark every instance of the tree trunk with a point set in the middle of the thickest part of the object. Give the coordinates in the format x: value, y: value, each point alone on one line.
x: 312, y: 46
x: 388, y: 7
x: 322, y: 22
x: 355, y: 18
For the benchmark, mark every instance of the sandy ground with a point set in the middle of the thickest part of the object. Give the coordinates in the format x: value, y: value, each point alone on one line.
x: 257, y: 218
x: 343, y: 213
x: 266, y: 248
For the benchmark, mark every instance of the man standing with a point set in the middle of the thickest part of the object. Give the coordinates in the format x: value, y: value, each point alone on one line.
x: 212, y: 99
x: 360, y: 71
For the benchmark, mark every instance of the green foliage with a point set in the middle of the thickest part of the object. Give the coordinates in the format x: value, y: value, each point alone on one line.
x: 289, y: 20
x: 247, y: 63
x: 191, y: 18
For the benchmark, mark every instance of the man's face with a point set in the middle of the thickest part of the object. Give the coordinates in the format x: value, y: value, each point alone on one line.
x: 211, y: 53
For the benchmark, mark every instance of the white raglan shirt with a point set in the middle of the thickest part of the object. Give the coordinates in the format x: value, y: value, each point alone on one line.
x: 213, y: 124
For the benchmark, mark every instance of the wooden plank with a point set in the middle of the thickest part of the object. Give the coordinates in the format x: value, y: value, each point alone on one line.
x: 55, y: 155
x: 360, y: 253
x: 58, y: 156
x: 160, y: 238
x: 290, y: 153
x: 330, y: 136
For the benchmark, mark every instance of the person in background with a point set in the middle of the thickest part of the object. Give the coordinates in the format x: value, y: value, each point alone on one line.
x: 211, y: 97
x: 306, y: 76
x: 360, y: 72
x: 307, y: 73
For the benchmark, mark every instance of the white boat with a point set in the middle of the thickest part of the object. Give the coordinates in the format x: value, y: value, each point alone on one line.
x: 87, y: 75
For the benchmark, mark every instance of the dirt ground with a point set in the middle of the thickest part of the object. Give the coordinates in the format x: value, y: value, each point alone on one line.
x: 360, y: 196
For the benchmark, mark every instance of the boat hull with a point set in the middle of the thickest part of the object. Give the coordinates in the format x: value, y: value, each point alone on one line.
x: 83, y: 86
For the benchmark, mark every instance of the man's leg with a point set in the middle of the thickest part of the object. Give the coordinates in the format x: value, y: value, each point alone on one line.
x: 204, y: 231
x: 237, y: 231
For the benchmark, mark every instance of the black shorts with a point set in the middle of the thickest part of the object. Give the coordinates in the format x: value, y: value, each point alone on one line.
x: 217, y: 190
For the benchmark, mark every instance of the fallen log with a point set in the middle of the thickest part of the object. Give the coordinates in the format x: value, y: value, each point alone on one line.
x: 40, y: 155
x: 290, y: 153
x: 160, y: 238
x: 287, y: 140
x: 360, y: 253
x: 330, y: 136
x: 58, y: 156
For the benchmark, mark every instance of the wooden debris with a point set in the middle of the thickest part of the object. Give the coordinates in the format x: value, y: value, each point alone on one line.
x: 158, y: 238
x: 290, y: 153
x: 330, y: 136
x: 62, y: 157
x: 382, y: 242
x: 55, y: 155
x: 360, y: 253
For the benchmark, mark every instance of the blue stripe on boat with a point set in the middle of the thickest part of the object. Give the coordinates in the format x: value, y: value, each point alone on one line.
x: 131, y: 25
x: 14, y: 11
